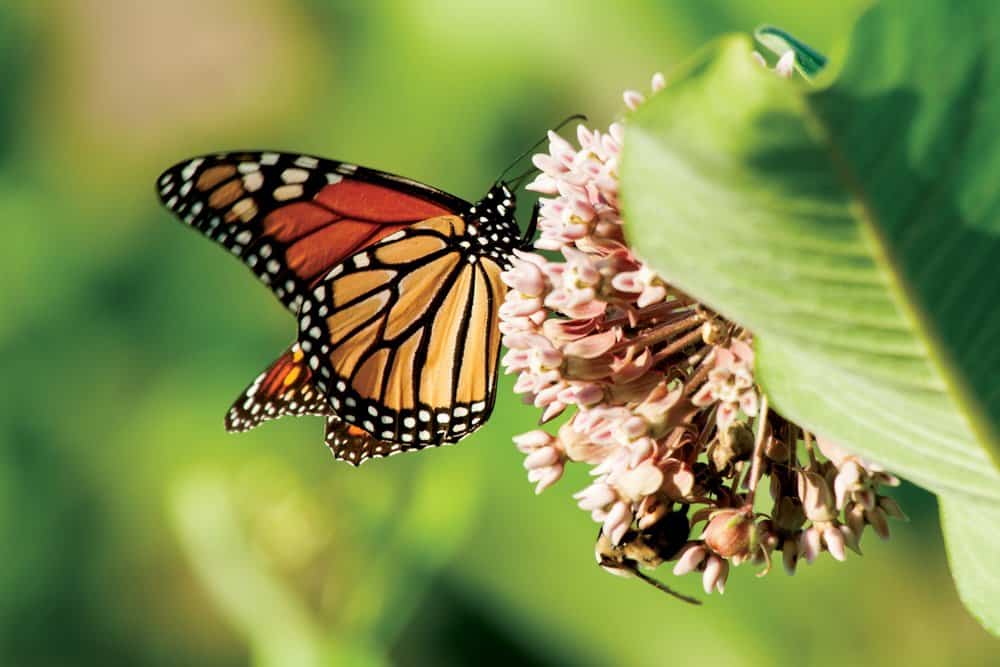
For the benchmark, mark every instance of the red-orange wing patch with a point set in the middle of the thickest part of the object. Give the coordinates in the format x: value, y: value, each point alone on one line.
x: 291, y: 218
x: 285, y: 388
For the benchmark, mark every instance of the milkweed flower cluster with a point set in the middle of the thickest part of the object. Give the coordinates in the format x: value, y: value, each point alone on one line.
x: 664, y: 404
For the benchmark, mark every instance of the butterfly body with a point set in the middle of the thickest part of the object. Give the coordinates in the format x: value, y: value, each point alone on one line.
x: 395, y: 286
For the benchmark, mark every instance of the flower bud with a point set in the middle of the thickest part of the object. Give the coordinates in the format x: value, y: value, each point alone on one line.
x: 690, y: 558
x: 735, y: 444
x: 810, y: 544
x: 716, y: 572
x: 729, y: 532
x: 877, y: 519
x: 817, y: 498
x: 834, y: 541
x: 776, y: 450
x: 790, y: 554
x: 891, y: 508
x: 788, y: 516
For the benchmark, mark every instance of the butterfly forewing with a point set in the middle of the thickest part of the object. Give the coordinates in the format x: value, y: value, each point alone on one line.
x: 292, y: 217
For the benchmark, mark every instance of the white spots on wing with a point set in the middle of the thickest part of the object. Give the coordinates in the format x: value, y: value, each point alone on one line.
x: 460, y: 411
x: 313, y: 362
x: 424, y: 416
x: 425, y: 435
x: 307, y: 162
x: 253, y: 182
x: 286, y: 192
x: 247, y: 167
x: 293, y: 176
x: 196, y: 207
x: 320, y: 293
x: 443, y: 418
x: 273, y: 266
x: 350, y: 402
x: 265, y: 251
x: 333, y: 179
x: 478, y: 407
x: 361, y: 260
x: 347, y: 169
x: 341, y: 385
x: 172, y: 202
x: 252, y: 261
x: 269, y: 159
x: 188, y: 172
x: 245, y: 209
x: 185, y: 188
x: 315, y: 332
x: 395, y: 236
x: 335, y: 271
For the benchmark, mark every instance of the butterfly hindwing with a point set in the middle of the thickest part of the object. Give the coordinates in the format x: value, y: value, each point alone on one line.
x: 354, y: 445
x: 285, y: 388
x: 289, y: 217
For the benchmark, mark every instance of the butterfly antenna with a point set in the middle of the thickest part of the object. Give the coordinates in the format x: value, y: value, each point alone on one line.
x: 576, y: 116
x: 516, y: 182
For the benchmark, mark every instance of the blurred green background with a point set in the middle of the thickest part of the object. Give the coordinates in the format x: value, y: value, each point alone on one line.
x: 134, y: 531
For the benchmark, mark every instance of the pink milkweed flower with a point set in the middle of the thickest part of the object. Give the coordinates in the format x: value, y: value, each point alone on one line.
x: 662, y: 398
x: 545, y: 460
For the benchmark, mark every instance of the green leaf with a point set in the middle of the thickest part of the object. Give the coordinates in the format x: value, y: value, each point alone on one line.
x: 808, y: 61
x: 854, y: 230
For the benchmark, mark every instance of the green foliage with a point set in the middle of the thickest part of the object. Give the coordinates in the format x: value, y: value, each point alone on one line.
x: 137, y: 532
x: 854, y: 229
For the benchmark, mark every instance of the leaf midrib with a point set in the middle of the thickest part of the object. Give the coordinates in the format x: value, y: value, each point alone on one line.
x: 938, y: 358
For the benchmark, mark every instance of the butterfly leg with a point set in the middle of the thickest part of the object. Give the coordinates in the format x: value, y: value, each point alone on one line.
x: 529, y: 233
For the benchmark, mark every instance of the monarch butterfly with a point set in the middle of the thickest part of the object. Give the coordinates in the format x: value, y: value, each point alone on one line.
x: 395, y: 284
